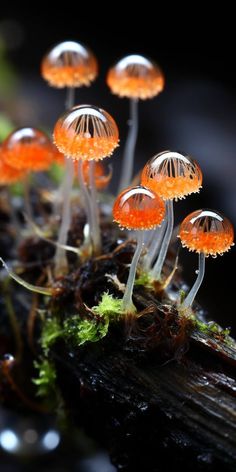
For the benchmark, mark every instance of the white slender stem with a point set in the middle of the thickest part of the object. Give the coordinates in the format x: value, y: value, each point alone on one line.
x: 157, y: 269
x: 127, y: 302
x: 96, y: 233
x: 154, y: 247
x: 192, y: 294
x: 85, y: 196
x: 128, y: 159
x: 60, y: 256
x: 70, y: 97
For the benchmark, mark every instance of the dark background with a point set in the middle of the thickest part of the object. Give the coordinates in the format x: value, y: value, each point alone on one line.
x: 196, y: 113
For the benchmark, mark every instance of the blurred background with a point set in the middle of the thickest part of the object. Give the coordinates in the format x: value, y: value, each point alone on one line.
x: 196, y: 113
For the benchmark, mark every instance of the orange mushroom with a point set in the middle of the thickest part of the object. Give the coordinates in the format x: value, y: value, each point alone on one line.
x: 134, y: 77
x: 28, y: 149
x: 208, y: 233
x: 86, y: 133
x: 137, y: 208
x: 69, y: 64
x: 172, y: 175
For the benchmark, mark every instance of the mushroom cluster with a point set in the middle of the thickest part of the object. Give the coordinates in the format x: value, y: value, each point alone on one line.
x: 84, y: 135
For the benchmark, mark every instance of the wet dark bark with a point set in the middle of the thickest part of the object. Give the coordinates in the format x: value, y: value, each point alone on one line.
x: 155, y: 413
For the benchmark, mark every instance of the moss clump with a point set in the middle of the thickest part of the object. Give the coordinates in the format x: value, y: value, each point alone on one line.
x: 109, y: 306
x: 52, y: 330
x: 46, y: 380
x: 144, y: 279
x: 214, y: 329
x: 79, y: 331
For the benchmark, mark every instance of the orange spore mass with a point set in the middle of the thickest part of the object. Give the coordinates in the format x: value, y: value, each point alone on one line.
x: 206, y: 231
x: 86, y: 132
x: 28, y: 149
x: 138, y: 208
x: 172, y: 175
x: 135, y: 77
x: 69, y: 76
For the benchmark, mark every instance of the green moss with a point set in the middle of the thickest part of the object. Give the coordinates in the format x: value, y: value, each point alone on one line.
x: 78, y: 331
x: 52, y: 330
x: 214, y: 329
x: 145, y: 279
x: 109, y: 306
x: 46, y: 380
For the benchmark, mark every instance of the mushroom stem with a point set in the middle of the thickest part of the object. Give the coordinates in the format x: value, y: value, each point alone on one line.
x: 193, y: 292
x: 95, y: 230
x: 157, y: 269
x: 61, y: 264
x: 128, y: 159
x: 70, y: 97
x: 155, y: 244
x: 127, y: 303
x: 33, y: 288
x: 85, y: 196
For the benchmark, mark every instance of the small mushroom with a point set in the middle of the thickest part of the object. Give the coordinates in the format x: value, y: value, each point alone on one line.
x: 208, y: 233
x: 28, y: 149
x: 136, y: 78
x: 69, y: 64
x: 173, y: 176
x: 85, y: 133
x: 139, y: 209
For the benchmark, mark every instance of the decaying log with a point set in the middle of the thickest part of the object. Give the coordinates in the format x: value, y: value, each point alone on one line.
x: 153, y: 413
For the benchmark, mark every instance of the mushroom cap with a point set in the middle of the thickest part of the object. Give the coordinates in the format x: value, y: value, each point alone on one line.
x: 28, y: 149
x: 206, y: 231
x: 69, y: 64
x: 138, y: 208
x: 135, y: 77
x: 172, y: 175
x: 8, y: 174
x: 86, y: 132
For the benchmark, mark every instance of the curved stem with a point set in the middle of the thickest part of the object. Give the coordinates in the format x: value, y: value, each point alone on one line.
x: 128, y: 159
x: 70, y: 97
x: 127, y: 302
x: 96, y: 233
x: 157, y: 269
x: 155, y: 245
x: 192, y: 294
x: 61, y: 264
x: 33, y: 288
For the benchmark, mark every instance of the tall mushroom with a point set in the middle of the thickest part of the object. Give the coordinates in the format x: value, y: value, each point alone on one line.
x: 136, y: 78
x: 173, y: 176
x: 139, y: 209
x: 208, y: 233
x: 85, y: 133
